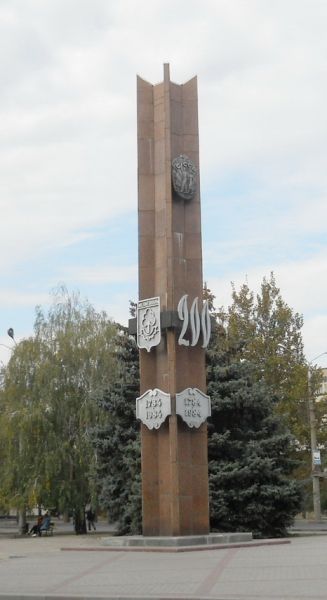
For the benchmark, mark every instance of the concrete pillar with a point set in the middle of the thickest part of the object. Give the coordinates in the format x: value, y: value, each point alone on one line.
x: 174, y: 457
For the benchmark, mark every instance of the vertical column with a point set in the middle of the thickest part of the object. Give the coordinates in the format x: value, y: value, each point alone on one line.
x: 174, y: 458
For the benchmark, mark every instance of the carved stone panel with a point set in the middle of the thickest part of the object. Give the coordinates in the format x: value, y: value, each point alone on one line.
x: 193, y: 406
x: 148, y: 323
x: 183, y: 172
x: 153, y: 407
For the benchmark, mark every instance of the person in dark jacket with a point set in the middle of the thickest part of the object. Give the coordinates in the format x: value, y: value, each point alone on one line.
x: 36, y: 527
x: 90, y: 517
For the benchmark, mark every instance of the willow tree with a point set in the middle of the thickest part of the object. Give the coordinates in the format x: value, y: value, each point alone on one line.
x: 73, y: 359
x: 24, y: 423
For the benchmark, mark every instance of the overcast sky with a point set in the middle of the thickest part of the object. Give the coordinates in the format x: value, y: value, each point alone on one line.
x: 68, y: 147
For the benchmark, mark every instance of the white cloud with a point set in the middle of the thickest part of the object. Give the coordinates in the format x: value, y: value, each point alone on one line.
x: 68, y: 128
x: 117, y: 308
x: 101, y: 274
x: 315, y: 339
x: 303, y: 283
x: 10, y: 298
x: 303, y: 286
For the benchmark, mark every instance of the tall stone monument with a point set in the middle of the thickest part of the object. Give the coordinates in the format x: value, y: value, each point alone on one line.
x: 173, y: 324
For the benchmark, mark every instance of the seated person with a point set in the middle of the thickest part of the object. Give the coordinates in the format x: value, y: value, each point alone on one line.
x: 35, y: 529
x: 45, y: 523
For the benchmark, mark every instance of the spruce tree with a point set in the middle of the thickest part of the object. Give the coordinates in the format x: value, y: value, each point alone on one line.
x: 117, y: 442
x: 249, y: 453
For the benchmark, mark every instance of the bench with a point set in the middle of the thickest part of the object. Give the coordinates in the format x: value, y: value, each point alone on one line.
x: 47, y: 530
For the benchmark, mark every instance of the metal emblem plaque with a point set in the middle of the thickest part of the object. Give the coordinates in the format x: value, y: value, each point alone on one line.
x: 183, y: 172
x: 148, y: 323
x: 153, y: 407
x: 197, y: 323
x: 193, y: 406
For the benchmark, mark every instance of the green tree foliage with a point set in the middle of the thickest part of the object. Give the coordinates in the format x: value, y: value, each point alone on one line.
x: 68, y: 427
x: 263, y: 329
x: 320, y: 407
x: 117, y: 442
x: 49, y: 397
x: 249, y: 454
x: 250, y: 448
x: 23, y: 425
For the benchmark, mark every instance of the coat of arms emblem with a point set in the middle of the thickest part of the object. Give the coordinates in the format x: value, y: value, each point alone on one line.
x: 183, y: 173
x: 148, y: 323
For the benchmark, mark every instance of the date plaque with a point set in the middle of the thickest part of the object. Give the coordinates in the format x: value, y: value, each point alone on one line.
x: 153, y: 407
x: 193, y: 406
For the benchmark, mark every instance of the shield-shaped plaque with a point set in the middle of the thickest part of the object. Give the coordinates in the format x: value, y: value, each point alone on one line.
x: 193, y: 406
x: 148, y: 323
x: 183, y: 172
x: 153, y: 407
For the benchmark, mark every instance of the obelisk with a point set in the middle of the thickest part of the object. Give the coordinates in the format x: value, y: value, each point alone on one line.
x: 174, y: 452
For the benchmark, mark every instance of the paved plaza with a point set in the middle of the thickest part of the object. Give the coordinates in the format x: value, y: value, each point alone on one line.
x: 68, y: 566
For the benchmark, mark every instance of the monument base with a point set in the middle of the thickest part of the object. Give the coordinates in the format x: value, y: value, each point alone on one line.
x: 177, y: 543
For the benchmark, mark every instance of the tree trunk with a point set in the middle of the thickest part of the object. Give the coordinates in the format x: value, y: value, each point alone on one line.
x: 79, y: 521
x: 22, y: 525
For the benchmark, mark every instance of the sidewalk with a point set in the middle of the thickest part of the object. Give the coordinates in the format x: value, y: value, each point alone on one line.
x: 9, y: 528
x: 69, y: 566
x: 309, y: 527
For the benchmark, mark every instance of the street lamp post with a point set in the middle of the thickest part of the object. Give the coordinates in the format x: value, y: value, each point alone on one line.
x: 313, y: 438
x: 10, y: 332
x: 21, y: 512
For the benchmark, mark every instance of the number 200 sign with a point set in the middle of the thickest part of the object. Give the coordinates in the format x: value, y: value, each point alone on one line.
x: 196, y: 322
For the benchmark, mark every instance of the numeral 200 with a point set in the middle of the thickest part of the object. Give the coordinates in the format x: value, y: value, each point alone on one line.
x: 197, y: 323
